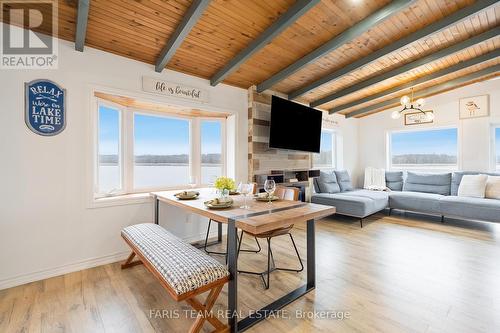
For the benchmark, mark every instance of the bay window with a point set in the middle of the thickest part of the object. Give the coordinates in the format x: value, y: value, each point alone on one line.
x: 109, y: 159
x: 142, y: 150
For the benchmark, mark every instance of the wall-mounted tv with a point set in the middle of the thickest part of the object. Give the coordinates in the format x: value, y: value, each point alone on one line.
x: 294, y: 126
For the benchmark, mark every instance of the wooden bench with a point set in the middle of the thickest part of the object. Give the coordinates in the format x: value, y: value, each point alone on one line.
x: 183, y: 270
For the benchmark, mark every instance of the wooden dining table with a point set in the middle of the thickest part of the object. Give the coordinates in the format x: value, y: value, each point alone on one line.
x: 259, y: 217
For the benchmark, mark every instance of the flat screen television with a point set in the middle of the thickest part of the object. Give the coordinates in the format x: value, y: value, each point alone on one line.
x: 294, y: 126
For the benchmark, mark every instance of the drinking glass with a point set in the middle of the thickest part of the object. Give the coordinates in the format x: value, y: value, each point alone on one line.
x: 244, y: 189
x: 211, y: 183
x: 270, y: 187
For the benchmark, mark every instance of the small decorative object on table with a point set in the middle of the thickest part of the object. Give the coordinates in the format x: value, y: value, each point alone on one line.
x: 187, y: 195
x: 219, y: 203
x: 223, y: 186
x: 265, y: 197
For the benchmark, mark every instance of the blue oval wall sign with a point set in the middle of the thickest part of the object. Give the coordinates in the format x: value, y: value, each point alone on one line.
x: 45, y: 107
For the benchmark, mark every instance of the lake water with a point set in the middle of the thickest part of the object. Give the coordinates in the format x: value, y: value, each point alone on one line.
x: 147, y: 176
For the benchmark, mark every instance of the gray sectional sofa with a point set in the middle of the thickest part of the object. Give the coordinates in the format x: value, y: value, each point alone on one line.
x: 434, y: 194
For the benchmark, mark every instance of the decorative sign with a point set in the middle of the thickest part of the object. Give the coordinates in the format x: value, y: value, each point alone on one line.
x: 328, y: 121
x: 475, y: 106
x: 45, y: 104
x: 415, y: 118
x: 172, y: 89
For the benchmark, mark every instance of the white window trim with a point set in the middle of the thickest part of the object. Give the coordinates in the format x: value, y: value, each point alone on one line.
x: 493, y: 157
x: 223, y: 148
x: 121, y: 155
x: 129, y: 195
x: 417, y: 168
x: 335, y: 157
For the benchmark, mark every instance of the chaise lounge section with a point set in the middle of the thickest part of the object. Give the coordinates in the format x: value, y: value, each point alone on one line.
x: 434, y: 194
x: 334, y: 188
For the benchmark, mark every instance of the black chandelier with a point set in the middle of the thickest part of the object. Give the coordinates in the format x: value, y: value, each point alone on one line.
x: 409, y: 104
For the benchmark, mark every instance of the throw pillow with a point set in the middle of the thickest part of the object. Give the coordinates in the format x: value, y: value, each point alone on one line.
x: 492, y: 187
x: 472, y: 186
x: 344, y: 180
x: 327, y: 182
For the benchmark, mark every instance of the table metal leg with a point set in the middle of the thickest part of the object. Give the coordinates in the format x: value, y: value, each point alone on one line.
x: 219, y: 232
x: 157, y: 209
x: 232, y: 251
x: 311, y: 255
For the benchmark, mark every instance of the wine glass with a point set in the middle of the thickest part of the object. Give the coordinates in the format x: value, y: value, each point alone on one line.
x: 244, y: 189
x: 211, y: 182
x: 270, y: 187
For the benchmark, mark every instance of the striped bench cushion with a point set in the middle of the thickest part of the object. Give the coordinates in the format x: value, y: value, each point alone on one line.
x: 183, y: 267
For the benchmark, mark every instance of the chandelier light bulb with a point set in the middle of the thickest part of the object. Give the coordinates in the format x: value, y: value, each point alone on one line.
x: 405, y: 100
x: 420, y: 102
x: 395, y: 114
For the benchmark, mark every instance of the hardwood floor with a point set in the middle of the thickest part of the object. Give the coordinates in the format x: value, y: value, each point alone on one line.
x: 397, y: 274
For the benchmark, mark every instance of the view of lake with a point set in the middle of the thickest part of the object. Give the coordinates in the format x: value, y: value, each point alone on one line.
x: 155, y: 175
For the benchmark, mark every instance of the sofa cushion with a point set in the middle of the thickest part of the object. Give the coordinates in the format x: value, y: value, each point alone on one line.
x: 492, y: 190
x: 327, y: 182
x: 457, y: 178
x: 472, y: 208
x: 344, y: 180
x: 472, y: 186
x: 357, y: 203
x: 415, y: 201
x: 428, y: 183
x: 394, y: 180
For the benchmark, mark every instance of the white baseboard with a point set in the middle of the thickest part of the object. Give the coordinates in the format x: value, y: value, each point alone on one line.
x: 64, y: 269
x: 78, y: 266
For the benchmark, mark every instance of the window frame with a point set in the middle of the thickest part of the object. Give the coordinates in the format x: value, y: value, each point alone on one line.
x: 223, y: 148
x: 334, y: 151
x: 121, y: 157
x: 389, y: 164
x: 126, y: 146
x: 493, y: 148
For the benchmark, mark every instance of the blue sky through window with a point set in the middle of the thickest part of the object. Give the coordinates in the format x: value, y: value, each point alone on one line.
x: 211, y: 137
x: 109, y: 130
x: 326, y: 141
x: 442, y: 141
x: 160, y: 135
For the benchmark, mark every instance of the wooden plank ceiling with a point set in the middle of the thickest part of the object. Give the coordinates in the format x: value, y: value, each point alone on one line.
x: 139, y: 29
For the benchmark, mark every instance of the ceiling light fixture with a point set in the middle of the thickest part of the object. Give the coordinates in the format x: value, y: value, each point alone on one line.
x: 408, y: 104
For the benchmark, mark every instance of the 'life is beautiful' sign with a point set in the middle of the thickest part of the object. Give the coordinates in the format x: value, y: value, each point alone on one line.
x: 161, y: 87
x: 45, y: 104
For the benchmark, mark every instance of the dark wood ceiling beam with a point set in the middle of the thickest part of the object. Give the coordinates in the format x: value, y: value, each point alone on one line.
x: 187, y: 23
x: 334, y: 43
x: 81, y: 24
x: 457, y: 67
x: 492, y: 33
x: 297, y: 10
x: 446, y: 86
x: 433, y: 28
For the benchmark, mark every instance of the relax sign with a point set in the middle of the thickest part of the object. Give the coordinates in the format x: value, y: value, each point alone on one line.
x: 45, y: 104
x: 172, y: 89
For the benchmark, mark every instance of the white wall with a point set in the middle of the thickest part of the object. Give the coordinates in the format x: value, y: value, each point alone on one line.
x: 46, y: 227
x: 474, y: 134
